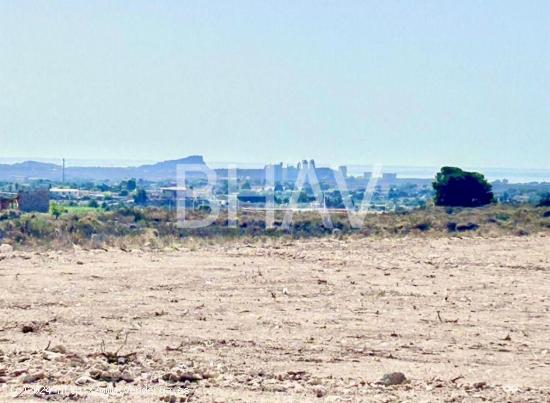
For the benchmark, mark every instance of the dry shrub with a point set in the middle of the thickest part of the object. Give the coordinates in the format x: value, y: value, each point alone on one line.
x: 156, y: 229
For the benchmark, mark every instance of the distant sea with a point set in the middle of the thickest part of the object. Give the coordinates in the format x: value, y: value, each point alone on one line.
x: 82, y: 162
x: 513, y: 175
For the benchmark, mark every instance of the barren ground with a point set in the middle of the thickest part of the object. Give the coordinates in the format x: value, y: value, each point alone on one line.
x: 463, y: 319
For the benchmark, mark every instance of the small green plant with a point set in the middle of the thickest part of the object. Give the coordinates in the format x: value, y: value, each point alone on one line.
x: 56, y: 210
x: 502, y: 216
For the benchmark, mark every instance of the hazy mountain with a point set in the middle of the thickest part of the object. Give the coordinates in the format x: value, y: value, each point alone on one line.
x: 166, y: 169
x: 29, y: 170
x: 39, y: 170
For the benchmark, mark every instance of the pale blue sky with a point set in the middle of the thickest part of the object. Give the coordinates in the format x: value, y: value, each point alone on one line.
x: 391, y: 82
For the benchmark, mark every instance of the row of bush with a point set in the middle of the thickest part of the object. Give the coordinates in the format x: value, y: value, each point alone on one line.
x: 101, y: 228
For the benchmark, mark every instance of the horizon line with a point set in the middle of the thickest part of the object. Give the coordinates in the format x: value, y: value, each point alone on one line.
x: 126, y: 163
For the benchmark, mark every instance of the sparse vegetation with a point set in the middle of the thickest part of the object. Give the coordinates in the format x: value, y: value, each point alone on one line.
x: 156, y: 227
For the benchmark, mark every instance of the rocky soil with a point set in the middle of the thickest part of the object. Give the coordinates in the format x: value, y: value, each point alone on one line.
x: 417, y: 319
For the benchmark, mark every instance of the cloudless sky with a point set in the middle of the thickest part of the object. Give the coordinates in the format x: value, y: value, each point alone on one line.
x: 360, y: 82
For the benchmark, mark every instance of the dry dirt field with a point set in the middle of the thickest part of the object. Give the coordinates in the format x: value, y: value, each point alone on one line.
x: 465, y: 320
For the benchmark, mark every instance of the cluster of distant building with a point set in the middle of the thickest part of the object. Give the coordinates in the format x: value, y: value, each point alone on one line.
x: 254, y: 186
x: 289, y: 173
x: 32, y: 200
x: 157, y: 186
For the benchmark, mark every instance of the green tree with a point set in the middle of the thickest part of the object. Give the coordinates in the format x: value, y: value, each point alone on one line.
x: 103, y: 187
x: 131, y: 185
x: 56, y: 210
x: 334, y: 200
x: 544, y: 200
x: 93, y: 203
x: 303, y: 197
x: 140, y: 197
x: 457, y: 188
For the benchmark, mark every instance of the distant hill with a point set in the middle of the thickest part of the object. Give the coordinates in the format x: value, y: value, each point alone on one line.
x: 29, y: 169
x: 165, y: 170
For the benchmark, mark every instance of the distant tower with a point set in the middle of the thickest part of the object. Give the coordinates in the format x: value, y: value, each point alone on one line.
x: 343, y: 170
x: 63, y: 172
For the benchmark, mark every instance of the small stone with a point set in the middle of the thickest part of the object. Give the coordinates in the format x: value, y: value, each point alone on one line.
x: 190, y: 376
x: 31, y: 378
x: 182, y: 377
x: 59, y: 349
x: 5, y: 248
x: 18, y: 372
x: 320, y: 392
x: 126, y: 376
x: 50, y: 356
x: 83, y: 380
x: 106, y: 376
x: 170, y: 377
x: 315, y: 381
x: 209, y: 375
x: 393, y: 378
x: 28, y: 328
